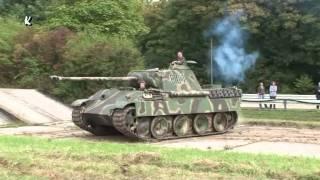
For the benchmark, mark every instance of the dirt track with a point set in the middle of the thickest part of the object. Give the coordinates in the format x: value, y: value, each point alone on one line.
x: 259, y: 139
x: 256, y: 139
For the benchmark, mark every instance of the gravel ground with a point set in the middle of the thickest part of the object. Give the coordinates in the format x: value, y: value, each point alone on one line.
x: 258, y: 139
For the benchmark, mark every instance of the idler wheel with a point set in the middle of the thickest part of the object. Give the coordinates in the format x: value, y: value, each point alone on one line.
x: 201, y: 124
x: 182, y: 125
x: 220, y: 122
x: 160, y: 127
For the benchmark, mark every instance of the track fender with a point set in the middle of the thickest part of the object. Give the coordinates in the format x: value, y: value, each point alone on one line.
x: 79, y: 102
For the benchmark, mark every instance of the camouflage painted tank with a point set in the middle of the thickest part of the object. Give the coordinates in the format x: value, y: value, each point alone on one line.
x: 160, y: 104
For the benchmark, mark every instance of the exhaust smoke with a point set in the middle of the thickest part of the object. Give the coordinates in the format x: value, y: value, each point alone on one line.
x: 230, y: 55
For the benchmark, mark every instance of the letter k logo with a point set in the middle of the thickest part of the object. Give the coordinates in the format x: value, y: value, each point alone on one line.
x: 27, y: 21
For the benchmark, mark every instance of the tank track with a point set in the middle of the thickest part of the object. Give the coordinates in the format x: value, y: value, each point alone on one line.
x: 118, y: 120
x: 119, y: 123
x: 78, y: 120
x: 84, y: 124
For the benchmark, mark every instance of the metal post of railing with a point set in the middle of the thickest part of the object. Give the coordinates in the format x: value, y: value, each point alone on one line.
x: 285, y: 104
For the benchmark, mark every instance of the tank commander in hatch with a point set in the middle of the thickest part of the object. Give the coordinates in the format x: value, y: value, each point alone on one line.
x: 180, y: 58
x: 142, y: 85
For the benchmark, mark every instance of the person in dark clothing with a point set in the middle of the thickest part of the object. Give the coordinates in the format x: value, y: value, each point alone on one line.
x: 261, y: 91
x: 318, y: 93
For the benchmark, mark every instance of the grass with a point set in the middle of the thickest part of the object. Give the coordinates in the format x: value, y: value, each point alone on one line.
x: 297, y: 118
x: 40, y: 158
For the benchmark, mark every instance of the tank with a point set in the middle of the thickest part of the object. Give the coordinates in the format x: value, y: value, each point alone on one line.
x: 158, y: 105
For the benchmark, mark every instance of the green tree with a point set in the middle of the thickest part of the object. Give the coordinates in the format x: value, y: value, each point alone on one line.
x: 180, y: 25
x: 113, y: 17
x: 95, y: 55
x: 286, y: 34
x: 21, y: 8
x: 8, y: 30
x: 80, y: 38
x: 37, y: 54
x: 304, y: 85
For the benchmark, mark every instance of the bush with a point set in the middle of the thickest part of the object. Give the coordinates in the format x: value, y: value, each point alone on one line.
x: 112, y: 17
x: 97, y: 55
x: 8, y: 30
x: 36, y: 54
x: 304, y: 85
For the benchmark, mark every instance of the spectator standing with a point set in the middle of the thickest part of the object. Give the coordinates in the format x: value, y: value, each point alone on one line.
x: 318, y: 93
x: 261, y: 91
x: 273, y: 93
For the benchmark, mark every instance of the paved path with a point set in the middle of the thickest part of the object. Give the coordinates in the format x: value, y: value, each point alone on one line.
x: 32, y: 107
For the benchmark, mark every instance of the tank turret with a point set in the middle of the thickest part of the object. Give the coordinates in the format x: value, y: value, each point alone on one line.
x: 170, y: 104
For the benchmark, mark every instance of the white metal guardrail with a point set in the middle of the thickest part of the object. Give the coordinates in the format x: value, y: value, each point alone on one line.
x: 284, y: 99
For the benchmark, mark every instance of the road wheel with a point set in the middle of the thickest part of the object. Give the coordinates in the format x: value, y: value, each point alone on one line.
x: 143, y: 127
x: 201, y: 124
x: 232, y: 119
x: 182, y: 125
x: 160, y: 127
x: 220, y: 122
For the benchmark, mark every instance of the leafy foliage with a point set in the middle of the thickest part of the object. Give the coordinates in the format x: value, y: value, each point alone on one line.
x: 21, y: 8
x: 95, y: 55
x: 179, y: 25
x: 288, y: 39
x: 115, y: 17
x: 100, y: 38
x: 81, y: 38
x: 36, y: 55
x: 286, y: 34
x: 304, y: 84
x: 8, y: 30
x: 39, y: 54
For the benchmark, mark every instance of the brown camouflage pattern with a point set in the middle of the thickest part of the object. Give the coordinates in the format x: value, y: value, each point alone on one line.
x: 169, y: 92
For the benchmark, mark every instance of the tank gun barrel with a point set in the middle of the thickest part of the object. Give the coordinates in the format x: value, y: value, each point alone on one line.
x: 62, y: 78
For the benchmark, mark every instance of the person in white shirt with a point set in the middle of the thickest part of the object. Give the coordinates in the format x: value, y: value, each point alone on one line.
x: 273, y: 93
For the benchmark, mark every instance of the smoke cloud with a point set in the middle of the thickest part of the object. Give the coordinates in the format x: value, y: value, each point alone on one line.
x: 230, y: 55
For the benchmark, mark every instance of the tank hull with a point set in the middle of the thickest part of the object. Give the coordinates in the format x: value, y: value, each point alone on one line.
x: 160, y: 104
x: 112, y: 109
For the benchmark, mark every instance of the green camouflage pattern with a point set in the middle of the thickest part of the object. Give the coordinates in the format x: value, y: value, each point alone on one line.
x: 171, y: 91
x: 195, y: 105
x: 171, y: 101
